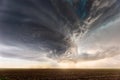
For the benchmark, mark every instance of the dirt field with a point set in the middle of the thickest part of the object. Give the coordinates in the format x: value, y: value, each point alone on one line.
x: 59, y: 74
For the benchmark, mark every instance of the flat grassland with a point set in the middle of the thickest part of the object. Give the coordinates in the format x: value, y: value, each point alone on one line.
x: 59, y: 74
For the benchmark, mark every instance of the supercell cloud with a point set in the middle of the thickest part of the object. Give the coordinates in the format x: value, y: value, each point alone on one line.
x: 57, y: 30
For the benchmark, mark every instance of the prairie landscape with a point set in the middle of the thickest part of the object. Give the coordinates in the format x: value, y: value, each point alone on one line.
x: 59, y: 74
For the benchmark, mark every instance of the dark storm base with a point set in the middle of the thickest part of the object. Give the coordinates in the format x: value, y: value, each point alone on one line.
x: 60, y: 74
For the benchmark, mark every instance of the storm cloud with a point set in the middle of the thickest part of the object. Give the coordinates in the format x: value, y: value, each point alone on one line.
x: 43, y: 30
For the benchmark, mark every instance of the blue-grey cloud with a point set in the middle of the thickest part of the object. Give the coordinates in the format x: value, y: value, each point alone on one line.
x: 44, y: 29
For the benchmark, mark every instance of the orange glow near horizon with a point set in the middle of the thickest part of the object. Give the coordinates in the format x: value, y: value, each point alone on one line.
x: 26, y: 64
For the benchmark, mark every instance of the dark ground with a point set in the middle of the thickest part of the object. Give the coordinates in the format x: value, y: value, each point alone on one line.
x: 60, y: 74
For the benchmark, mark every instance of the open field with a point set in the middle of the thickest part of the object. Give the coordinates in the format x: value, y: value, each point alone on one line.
x: 59, y: 74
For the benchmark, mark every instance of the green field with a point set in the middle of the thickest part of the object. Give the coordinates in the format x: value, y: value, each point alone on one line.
x: 59, y: 74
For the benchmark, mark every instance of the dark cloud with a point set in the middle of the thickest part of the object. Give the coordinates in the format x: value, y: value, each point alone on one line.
x: 31, y: 29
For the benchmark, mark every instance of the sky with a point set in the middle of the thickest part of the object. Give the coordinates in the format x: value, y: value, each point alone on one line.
x: 37, y: 36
